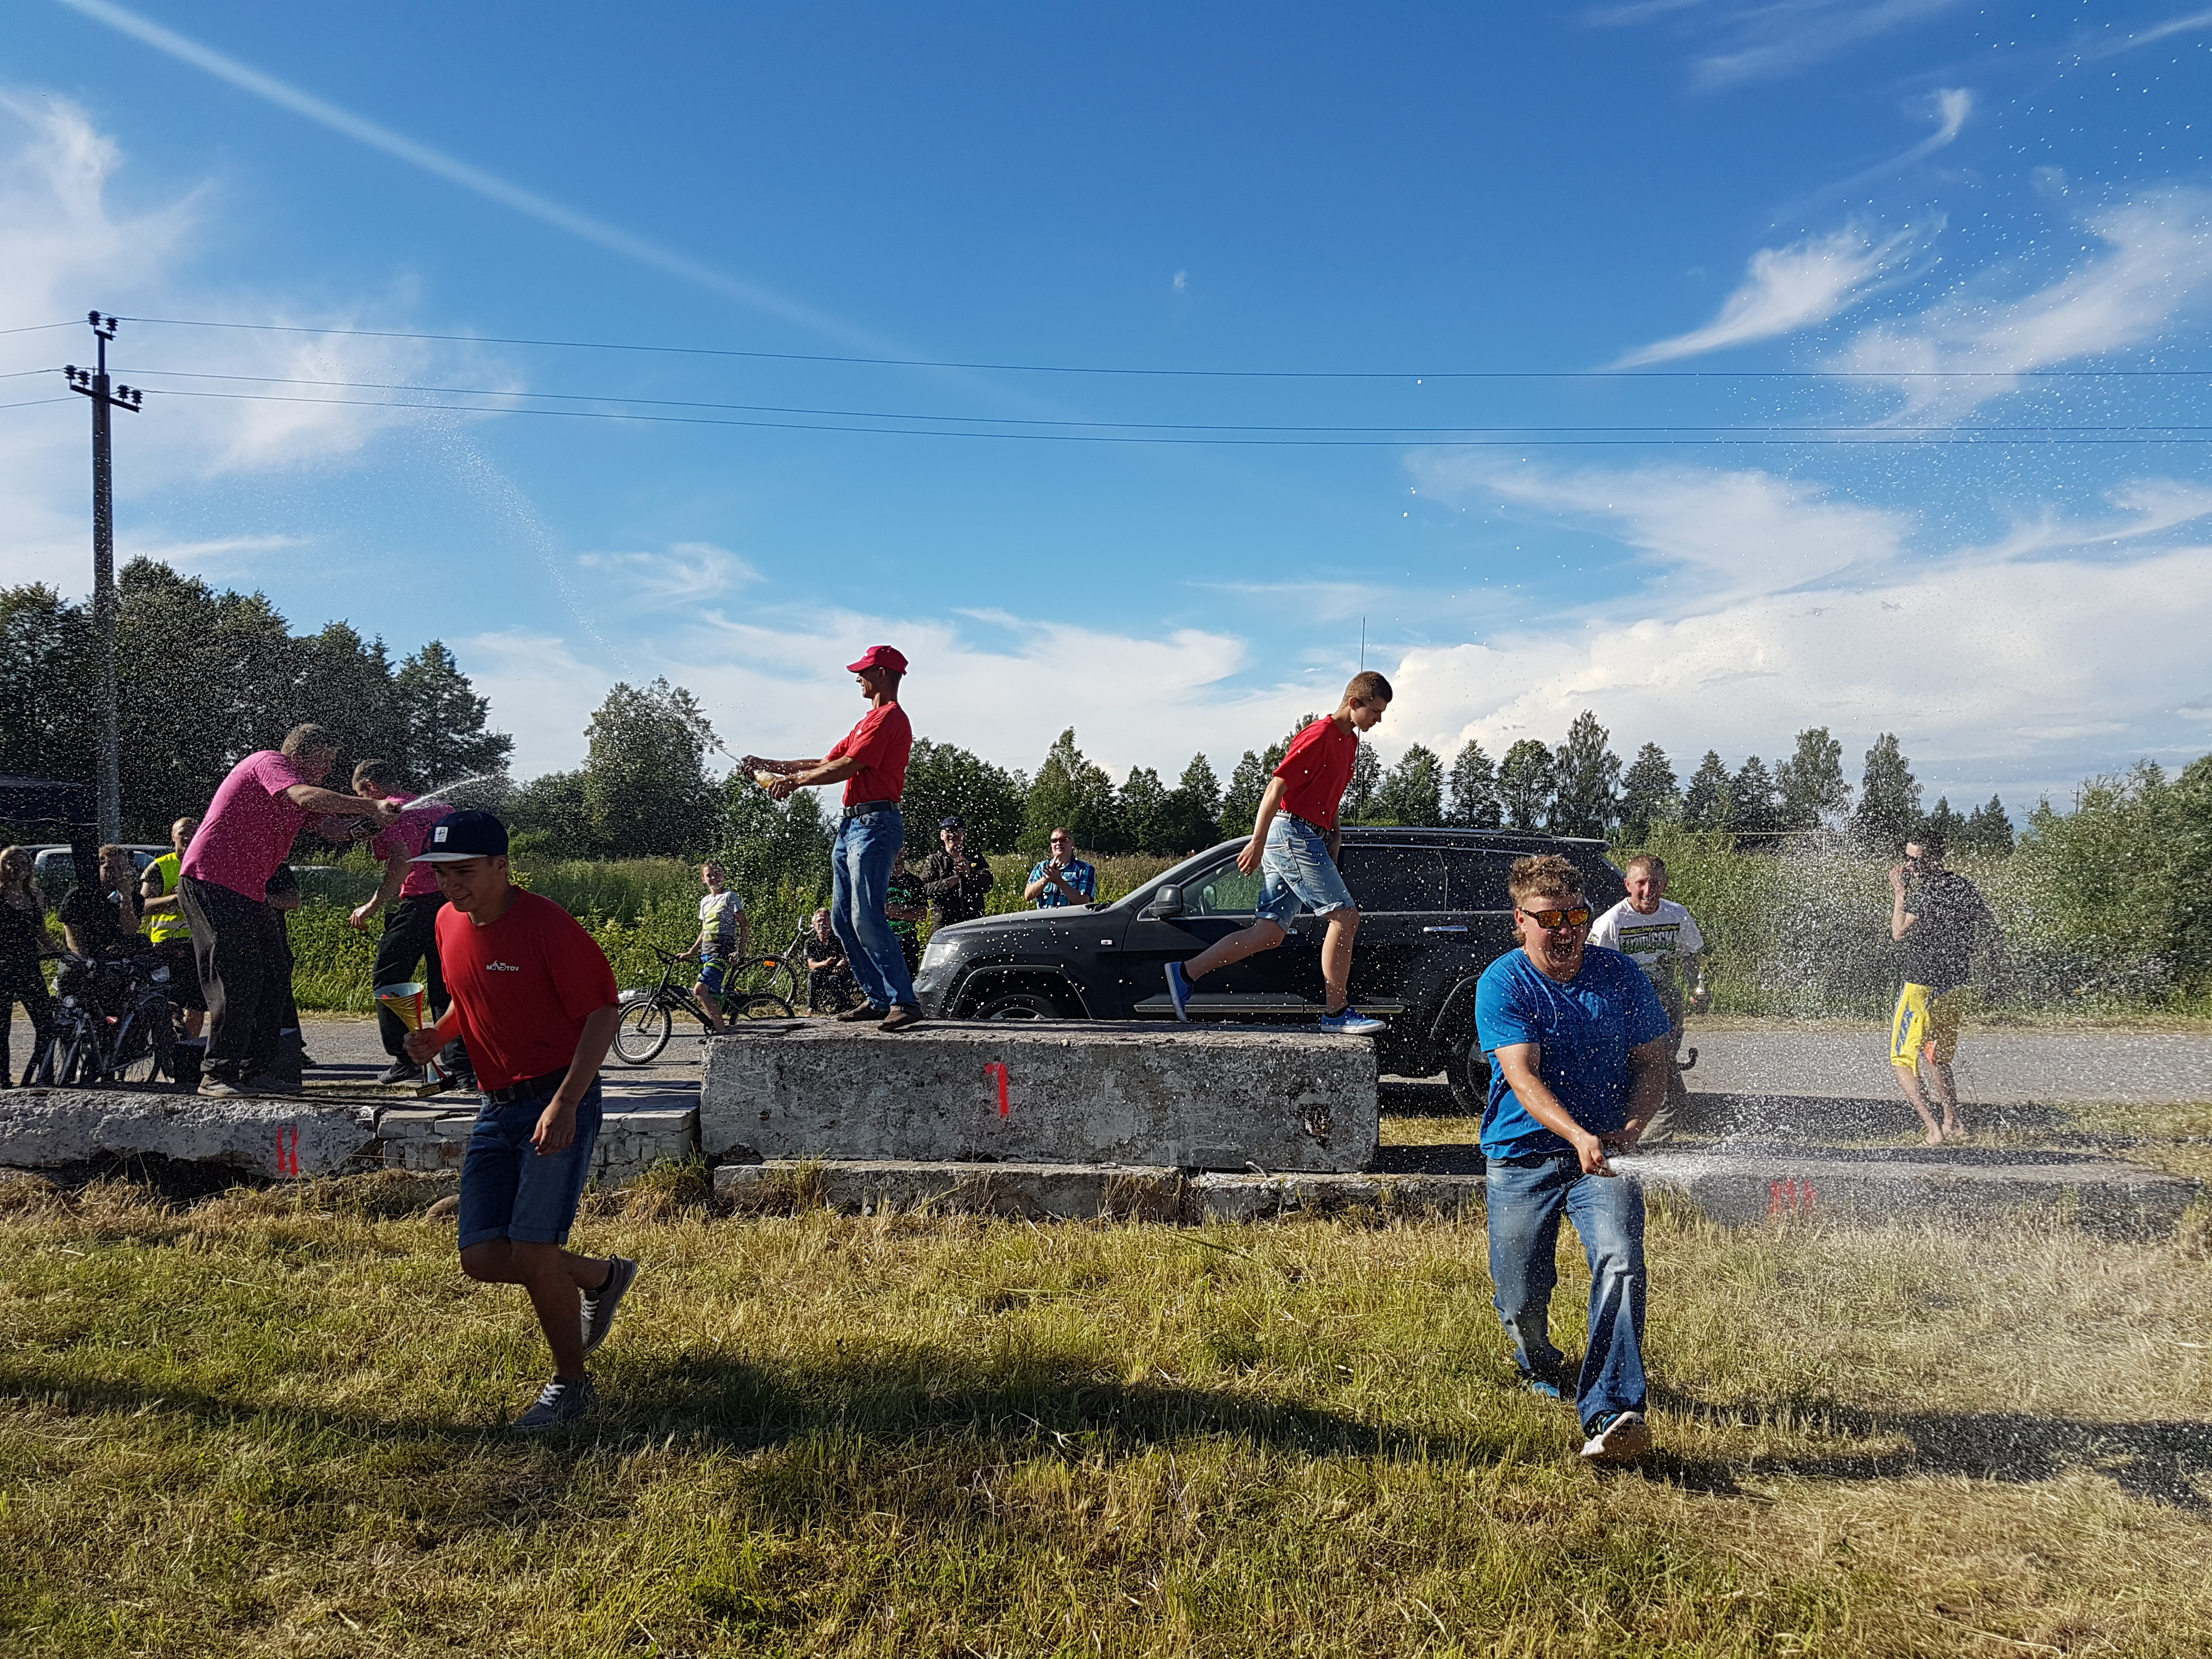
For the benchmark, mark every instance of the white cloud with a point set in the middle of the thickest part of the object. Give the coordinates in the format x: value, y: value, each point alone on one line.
x: 1788, y: 288
x: 686, y: 574
x: 2185, y: 24
x: 1782, y: 37
x: 2158, y: 267
x: 2001, y: 663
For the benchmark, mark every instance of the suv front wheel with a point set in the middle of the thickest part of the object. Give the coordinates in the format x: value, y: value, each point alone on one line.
x: 1467, y: 1071
x: 1023, y: 1002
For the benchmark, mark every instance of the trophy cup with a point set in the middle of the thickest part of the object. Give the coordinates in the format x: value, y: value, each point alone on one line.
x: 409, y: 1002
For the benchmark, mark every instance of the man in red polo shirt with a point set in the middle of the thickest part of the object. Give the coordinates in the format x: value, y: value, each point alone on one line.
x: 536, y: 1002
x: 1296, y: 841
x: 871, y: 762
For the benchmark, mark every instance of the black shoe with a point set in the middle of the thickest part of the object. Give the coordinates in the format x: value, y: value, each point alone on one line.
x: 599, y: 1305
x: 903, y: 1015
x: 400, y: 1071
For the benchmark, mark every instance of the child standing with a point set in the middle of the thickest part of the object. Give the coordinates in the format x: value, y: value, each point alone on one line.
x: 1295, y: 842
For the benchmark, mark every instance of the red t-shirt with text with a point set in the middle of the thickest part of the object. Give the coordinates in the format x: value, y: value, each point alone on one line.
x: 522, y: 987
x: 883, y: 740
x: 1316, y: 771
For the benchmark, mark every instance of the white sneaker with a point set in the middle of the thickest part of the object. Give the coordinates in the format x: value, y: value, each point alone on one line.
x: 1619, y: 1438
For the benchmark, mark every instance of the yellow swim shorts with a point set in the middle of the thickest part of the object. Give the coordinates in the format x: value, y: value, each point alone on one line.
x: 1927, y: 1023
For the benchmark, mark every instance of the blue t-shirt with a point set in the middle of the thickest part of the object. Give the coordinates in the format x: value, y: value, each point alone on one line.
x: 1586, y: 1026
x: 1083, y: 877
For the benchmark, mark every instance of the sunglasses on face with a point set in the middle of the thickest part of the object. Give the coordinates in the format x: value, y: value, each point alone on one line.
x: 1549, y: 919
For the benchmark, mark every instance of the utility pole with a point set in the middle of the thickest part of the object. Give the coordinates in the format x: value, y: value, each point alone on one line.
x: 93, y: 382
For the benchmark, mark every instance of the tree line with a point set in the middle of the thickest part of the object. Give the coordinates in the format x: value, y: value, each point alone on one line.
x: 203, y: 678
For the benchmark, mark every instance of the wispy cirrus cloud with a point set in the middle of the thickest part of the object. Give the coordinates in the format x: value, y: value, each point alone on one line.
x: 1787, y: 289
x: 1772, y: 39
x: 2157, y: 266
x: 2189, y: 24
x: 688, y: 574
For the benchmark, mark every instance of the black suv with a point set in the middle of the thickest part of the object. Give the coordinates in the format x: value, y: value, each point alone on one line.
x: 1433, y: 914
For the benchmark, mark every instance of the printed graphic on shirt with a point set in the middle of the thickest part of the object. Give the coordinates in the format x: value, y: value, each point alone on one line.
x: 1655, y: 943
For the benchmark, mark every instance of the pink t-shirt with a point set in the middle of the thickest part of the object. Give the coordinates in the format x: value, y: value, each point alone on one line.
x: 249, y: 827
x: 404, y: 839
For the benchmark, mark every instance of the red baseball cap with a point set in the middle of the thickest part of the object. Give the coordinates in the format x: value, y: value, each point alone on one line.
x: 879, y: 656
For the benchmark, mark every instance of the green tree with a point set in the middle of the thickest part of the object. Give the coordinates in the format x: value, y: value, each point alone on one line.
x: 446, y: 735
x: 1192, y: 819
x: 1240, y: 802
x: 943, y: 778
x: 1989, y: 829
x: 46, y: 704
x: 1474, y: 802
x: 646, y: 786
x: 549, y: 815
x: 1525, y: 783
x: 1412, y: 791
x: 1944, y: 824
x: 1586, y: 779
x: 1707, y: 803
x: 1366, y: 782
x: 1070, y: 791
x: 1756, y: 801
x: 1812, y: 782
x: 1648, y: 793
x: 1889, y: 799
x: 1141, y: 810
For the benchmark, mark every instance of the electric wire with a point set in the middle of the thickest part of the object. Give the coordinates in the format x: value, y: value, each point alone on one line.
x: 1196, y: 373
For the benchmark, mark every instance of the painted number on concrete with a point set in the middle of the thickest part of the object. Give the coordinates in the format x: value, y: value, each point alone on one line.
x: 1789, y: 1197
x: 997, y: 1069
x: 288, y: 1150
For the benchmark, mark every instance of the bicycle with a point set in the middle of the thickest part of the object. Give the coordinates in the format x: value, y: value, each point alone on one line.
x: 646, y: 1020
x: 135, y: 1045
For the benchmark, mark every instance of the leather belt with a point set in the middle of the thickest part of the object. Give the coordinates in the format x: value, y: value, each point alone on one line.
x: 861, y: 809
x: 526, y: 1089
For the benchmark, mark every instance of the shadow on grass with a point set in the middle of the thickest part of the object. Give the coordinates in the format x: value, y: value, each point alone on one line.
x: 2164, y: 1463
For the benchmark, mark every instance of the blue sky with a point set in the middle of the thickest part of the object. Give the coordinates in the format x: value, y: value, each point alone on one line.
x: 1404, y: 228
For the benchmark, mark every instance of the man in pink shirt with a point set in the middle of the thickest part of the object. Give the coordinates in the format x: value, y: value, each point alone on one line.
x: 222, y: 886
x: 410, y: 901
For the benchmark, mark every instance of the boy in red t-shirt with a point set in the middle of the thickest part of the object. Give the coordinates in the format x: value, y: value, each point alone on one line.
x: 536, y: 1002
x: 1295, y: 842
x: 870, y: 760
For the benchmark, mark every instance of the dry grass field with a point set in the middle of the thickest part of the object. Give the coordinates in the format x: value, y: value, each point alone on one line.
x: 268, y: 1422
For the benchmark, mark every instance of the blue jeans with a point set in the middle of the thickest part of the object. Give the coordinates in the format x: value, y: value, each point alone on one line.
x: 511, y: 1190
x: 1527, y: 1196
x: 860, y: 875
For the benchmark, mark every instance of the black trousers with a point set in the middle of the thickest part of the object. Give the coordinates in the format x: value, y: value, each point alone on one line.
x: 410, y: 935
x: 245, y: 974
x: 27, y: 987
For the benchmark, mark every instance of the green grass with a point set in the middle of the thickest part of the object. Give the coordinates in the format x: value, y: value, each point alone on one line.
x: 269, y: 1423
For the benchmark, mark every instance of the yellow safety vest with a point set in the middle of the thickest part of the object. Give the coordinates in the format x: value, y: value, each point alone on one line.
x: 167, y: 924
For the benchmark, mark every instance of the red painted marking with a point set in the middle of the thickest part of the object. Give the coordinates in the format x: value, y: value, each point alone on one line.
x: 997, y: 1068
x: 1790, y: 1197
x: 288, y: 1150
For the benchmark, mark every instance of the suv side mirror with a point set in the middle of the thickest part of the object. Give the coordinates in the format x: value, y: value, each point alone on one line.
x: 1168, y: 901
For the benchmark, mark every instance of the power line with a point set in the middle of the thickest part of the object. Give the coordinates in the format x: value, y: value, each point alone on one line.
x: 34, y: 403
x: 1247, y: 443
x: 35, y: 328
x: 1206, y: 373
x: 1127, y: 426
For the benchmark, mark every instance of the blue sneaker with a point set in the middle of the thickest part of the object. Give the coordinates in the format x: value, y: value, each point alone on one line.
x: 1351, y: 1022
x: 1178, y: 990
x: 1542, y: 1387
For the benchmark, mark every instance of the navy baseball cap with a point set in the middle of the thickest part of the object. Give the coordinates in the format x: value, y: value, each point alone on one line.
x: 460, y: 836
x: 956, y: 822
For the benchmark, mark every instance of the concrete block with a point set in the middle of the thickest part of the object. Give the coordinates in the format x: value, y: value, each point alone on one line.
x: 1220, y: 1097
x: 630, y: 1143
x: 1038, y: 1192
x: 1223, y: 1197
x: 46, y: 1128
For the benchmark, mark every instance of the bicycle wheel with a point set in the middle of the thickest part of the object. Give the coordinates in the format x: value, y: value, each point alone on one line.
x: 766, y: 976
x: 760, y: 1005
x: 642, y: 1032
x: 145, y: 1048
x: 79, y: 1067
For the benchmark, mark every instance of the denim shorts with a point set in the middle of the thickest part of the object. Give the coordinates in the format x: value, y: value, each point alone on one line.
x: 714, y: 973
x: 508, y: 1190
x: 1297, y: 870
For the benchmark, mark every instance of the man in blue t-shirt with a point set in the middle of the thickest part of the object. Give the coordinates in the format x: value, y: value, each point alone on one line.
x: 1063, y: 878
x: 1577, y: 1044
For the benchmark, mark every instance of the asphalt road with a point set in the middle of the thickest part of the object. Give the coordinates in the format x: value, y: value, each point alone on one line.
x: 1995, y: 1065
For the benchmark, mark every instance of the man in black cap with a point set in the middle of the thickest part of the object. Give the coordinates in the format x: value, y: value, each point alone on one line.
x: 536, y: 1002
x: 957, y: 881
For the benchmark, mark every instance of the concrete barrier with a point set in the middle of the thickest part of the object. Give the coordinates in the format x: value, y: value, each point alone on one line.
x: 1222, y: 1097
x: 429, y: 1139
x: 1035, y: 1192
x: 49, y: 1128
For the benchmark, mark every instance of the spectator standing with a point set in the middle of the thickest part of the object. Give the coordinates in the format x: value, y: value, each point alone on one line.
x: 100, y: 914
x: 222, y: 885
x: 958, y: 882
x: 904, y: 910
x: 1940, y: 918
x: 1661, y: 938
x: 409, y: 897
x: 1296, y: 843
x: 171, y: 937
x: 536, y: 1002
x: 870, y: 760
x: 726, y: 938
x: 1578, y: 1046
x: 23, y: 943
x: 827, y: 976
x: 1061, y: 878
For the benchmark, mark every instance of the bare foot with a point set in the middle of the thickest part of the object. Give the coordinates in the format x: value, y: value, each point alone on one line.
x: 1935, y: 1137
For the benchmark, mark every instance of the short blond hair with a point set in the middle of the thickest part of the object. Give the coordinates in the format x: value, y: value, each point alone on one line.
x: 1652, y: 863
x: 1543, y: 875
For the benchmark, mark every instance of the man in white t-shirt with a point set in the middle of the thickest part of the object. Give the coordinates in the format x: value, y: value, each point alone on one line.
x: 726, y: 938
x: 1661, y: 938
